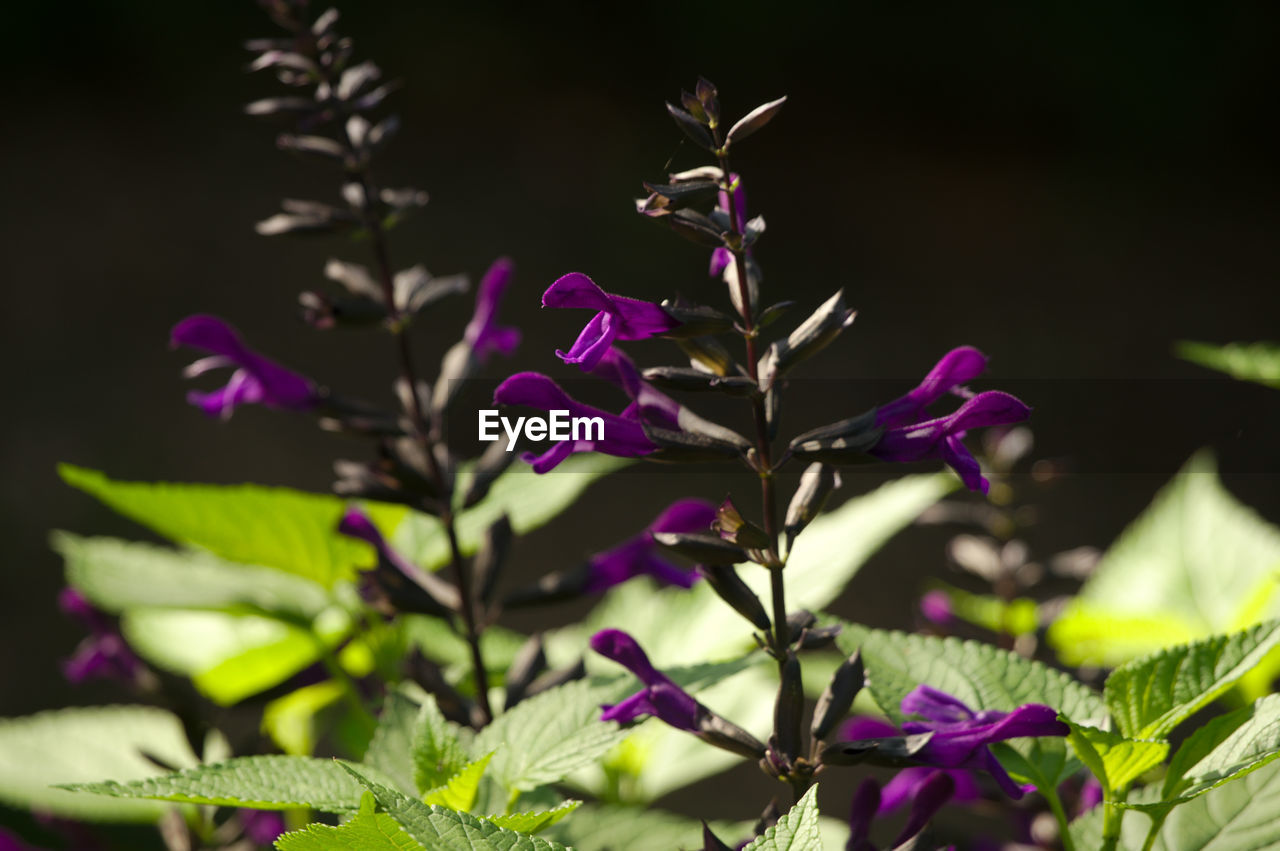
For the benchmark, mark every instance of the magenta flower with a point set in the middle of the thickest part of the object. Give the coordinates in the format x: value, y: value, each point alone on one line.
x: 639, y: 556
x: 261, y: 827
x: 907, y: 436
x: 927, y: 798
x: 935, y: 605
x: 722, y: 258
x: 617, y: 318
x: 660, y: 697
x: 255, y: 380
x: 427, y: 592
x: 483, y: 334
x: 103, y: 654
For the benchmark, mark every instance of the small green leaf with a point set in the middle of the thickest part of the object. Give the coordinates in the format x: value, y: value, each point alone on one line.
x: 436, y: 751
x: 795, y: 831
x: 117, y: 575
x: 1114, y: 760
x: 1009, y: 617
x: 367, y: 831
x: 535, y: 821
x: 285, y: 529
x: 257, y: 782
x: 459, y: 793
x: 1258, y: 362
x: 391, y: 748
x: 290, y: 720
x: 439, y: 828
x: 1149, y: 697
x: 596, y: 827
x: 93, y: 743
x: 982, y: 677
x: 529, y: 500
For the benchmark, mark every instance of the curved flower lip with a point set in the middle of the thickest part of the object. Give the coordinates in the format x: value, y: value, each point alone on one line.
x: 623, y: 435
x: 617, y: 318
x: 660, y: 697
x: 956, y: 367
x: 256, y: 380
x: 483, y: 333
x: 641, y: 556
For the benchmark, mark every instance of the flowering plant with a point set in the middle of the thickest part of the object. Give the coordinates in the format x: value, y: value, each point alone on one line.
x: 361, y: 632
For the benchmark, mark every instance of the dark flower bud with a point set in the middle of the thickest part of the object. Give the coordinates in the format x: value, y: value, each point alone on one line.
x: 667, y: 198
x: 724, y: 580
x: 694, y: 107
x: 816, y: 638
x: 702, y: 548
x: 837, y: 698
x: 492, y: 463
x: 695, y: 438
x: 551, y: 679
x: 890, y: 751
x: 491, y: 557
x: 726, y: 735
x: 754, y: 120
x: 708, y: 353
x: 696, y: 320
x: 320, y: 147
x: 773, y: 313
x: 697, y: 380
x: 415, y: 289
x: 323, y: 312
x: 810, y: 337
x: 731, y: 526
x: 798, y: 622
x: 428, y: 674
x: 696, y: 227
x: 692, y: 128
x: 816, y: 484
x: 842, y: 442
x: 711, y: 842
x: 789, y: 708
x: 706, y: 94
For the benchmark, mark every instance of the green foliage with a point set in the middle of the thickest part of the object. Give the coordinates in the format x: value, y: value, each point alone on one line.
x: 596, y: 827
x: 1115, y: 760
x: 983, y: 677
x: 1149, y: 697
x: 435, y: 749
x: 1008, y: 617
x: 1258, y: 362
x: 528, y: 499
x: 75, y: 745
x: 256, y: 782
x: 533, y: 822
x: 795, y: 831
x: 459, y: 792
x: 439, y: 828
x: 367, y: 831
x: 289, y: 530
x: 1195, y: 563
x: 291, y: 720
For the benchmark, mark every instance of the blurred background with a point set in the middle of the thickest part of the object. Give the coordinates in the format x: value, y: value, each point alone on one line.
x: 1071, y: 187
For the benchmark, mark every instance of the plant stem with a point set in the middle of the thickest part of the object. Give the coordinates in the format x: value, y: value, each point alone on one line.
x: 1059, y: 813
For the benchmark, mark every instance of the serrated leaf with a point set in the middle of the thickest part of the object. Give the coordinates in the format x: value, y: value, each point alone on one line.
x: 1257, y: 362
x: 1225, y: 749
x: 116, y: 575
x: 290, y: 720
x: 87, y: 744
x: 596, y: 827
x: 459, y: 793
x: 367, y: 831
x: 280, y: 528
x: 1114, y: 760
x: 439, y: 828
x: 1149, y: 697
x: 982, y: 677
x: 269, y: 782
x: 529, y: 500
x: 795, y: 831
x: 227, y: 656
x: 436, y: 751
x: 1195, y: 563
x: 532, y: 822
x: 391, y: 748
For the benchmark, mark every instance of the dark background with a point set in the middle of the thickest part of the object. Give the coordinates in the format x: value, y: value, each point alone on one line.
x: 1071, y: 187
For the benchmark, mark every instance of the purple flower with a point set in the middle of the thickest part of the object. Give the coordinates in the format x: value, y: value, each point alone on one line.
x: 722, y: 258
x: 909, y: 437
x: 639, y: 556
x: 617, y: 318
x: 484, y: 335
x: 660, y: 697
x: 961, y: 736
x: 443, y: 597
x: 902, y: 789
x: 104, y: 653
x: 261, y: 827
x: 927, y: 797
x: 256, y: 380
x: 935, y: 605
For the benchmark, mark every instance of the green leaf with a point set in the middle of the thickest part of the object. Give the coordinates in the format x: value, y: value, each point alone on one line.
x: 795, y: 831
x: 1113, y: 759
x: 73, y: 745
x: 983, y: 677
x: 1195, y: 563
x: 436, y: 750
x: 280, y: 528
x: 117, y: 575
x: 529, y: 500
x: 258, y: 782
x: 1259, y: 362
x: 1009, y: 617
x: 228, y: 656
x: 1149, y: 697
x: 367, y: 831
x: 535, y: 821
x: 596, y: 827
x: 290, y: 720
x: 1225, y: 749
x: 391, y: 748
x: 440, y: 642
x: 439, y: 828
x: 459, y: 793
